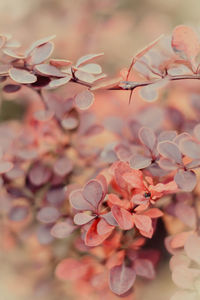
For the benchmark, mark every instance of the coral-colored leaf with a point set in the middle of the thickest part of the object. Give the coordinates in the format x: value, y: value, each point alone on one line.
x: 143, y: 222
x: 123, y: 217
x: 70, y: 269
x: 92, y: 237
x: 154, y: 213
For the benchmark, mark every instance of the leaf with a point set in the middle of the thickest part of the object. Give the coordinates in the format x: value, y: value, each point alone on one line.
x: 92, y: 238
x: 63, y: 166
x: 93, y: 192
x: 58, y: 82
x: 62, y: 229
x: 87, y: 58
x: 18, y: 213
x: 122, y: 217
x: 167, y: 135
x: 144, y: 268
x: 149, y: 93
x: 121, y: 279
x: 147, y: 137
x: 40, y: 53
x: 79, y: 202
x: 167, y: 164
x: 48, y: 214
x: 190, y: 148
x: 109, y: 218
x: 192, y: 247
x: 59, y: 63
x: 69, y: 123
x: 139, y: 161
x: 185, y: 39
x: 71, y: 269
x: 106, y: 84
x: 134, y: 178
x: 83, y: 218
x: 186, y: 214
x: 22, y: 76
x: 143, y: 222
x: 154, y: 213
x: 84, y: 100
x: 179, y: 260
x: 179, y: 239
x: 40, y: 42
x: 103, y: 227
x: 91, y: 68
x: 170, y: 150
x: 185, y: 180
x: 184, y: 277
x: 49, y: 70
x: 39, y: 174
x: 11, y: 88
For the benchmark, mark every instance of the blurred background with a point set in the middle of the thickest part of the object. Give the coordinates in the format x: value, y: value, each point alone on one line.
x: 116, y: 27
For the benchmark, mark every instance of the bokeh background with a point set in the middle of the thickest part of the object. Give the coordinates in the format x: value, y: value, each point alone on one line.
x: 117, y: 27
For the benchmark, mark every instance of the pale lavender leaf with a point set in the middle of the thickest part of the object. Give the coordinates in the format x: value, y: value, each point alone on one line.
x: 170, y: 150
x: 147, y: 137
x: 83, y: 218
x: 48, y: 214
x: 139, y: 161
x: 22, y: 76
x: 185, y: 180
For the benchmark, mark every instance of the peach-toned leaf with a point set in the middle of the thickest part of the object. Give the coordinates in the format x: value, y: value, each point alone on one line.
x: 122, y: 217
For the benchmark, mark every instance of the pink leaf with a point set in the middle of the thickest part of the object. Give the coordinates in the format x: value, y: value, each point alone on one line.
x: 40, y: 53
x: 147, y: 137
x: 93, y: 192
x: 58, y: 82
x: 154, y: 213
x: 140, y: 161
x: 190, y: 148
x: 123, y: 217
x: 186, y: 214
x: 62, y: 229
x: 197, y: 131
x: 83, y: 218
x: 84, y: 100
x: 121, y: 279
x: 170, y: 150
x: 63, y: 166
x: 92, y: 238
x: 87, y: 58
x: 143, y: 222
x: 185, y: 180
x: 79, y: 202
x: 167, y: 164
x: 11, y: 88
x: 103, y: 227
x: 70, y: 269
x: 48, y: 214
x: 22, y: 76
x: 144, y: 268
x: 91, y: 68
x: 48, y: 70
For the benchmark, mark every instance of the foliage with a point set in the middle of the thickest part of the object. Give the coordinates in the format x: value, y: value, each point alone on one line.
x: 104, y: 199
